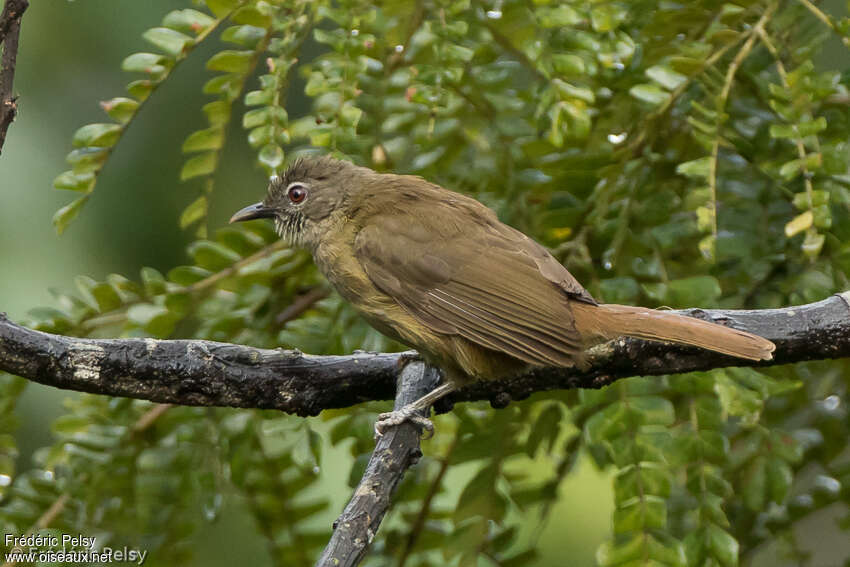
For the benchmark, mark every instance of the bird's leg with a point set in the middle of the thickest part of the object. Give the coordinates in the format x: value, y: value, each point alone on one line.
x: 410, y: 412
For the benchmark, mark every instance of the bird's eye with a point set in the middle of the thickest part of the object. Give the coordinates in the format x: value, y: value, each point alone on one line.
x: 296, y: 192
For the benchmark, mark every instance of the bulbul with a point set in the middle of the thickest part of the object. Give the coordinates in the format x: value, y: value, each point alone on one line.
x: 438, y: 271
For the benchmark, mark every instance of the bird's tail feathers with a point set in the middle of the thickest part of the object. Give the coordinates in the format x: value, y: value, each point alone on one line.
x: 611, y: 320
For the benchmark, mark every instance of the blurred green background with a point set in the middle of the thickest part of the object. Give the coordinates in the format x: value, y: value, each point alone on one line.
x: 69, y: 59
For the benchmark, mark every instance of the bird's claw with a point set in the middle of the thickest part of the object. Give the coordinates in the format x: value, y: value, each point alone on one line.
x: 397, y: 417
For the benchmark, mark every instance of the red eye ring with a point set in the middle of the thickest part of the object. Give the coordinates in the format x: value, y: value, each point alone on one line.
x: 296, y: 193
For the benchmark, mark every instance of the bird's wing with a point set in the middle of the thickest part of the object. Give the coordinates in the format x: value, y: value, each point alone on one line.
x: 484, y: 281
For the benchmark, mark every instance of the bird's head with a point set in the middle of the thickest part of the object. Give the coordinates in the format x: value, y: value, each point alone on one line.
x: 308, y: 199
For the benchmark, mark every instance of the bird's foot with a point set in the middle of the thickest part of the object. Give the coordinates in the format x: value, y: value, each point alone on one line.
x: 407, y: 413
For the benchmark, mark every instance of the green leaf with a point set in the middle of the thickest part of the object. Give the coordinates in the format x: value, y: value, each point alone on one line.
x: 606, y: 17
x: 350, y: 115
x: 696, y: 291
x: 560, y: 16
x: 707, y: 246
x: 197, y: 166
x: 649, y: 92
x: 97, y: 135
x: 87, y: 160
x: 150, y: 63
x: 258, y: 98
x: 141, y: 89
x: 698, y: 169
x: 143, y: 313
x: 651, y: 410
x: 568, y: 64
x: 641, y: 478
x: 779, y: 480
x: 480, y: 497
x: 120, y: 109
x: 754, y: 485
x: 66, y: 214
x: 153, y: 281
x: 212, y: 255
x: 222, y: 8
x: 188, y: 21
x: 623, y: 551
x: 335, y: 39
x: 640, y: 514
x: 263, y: 116
x: 799, y: 223
x: 619, y: 290
x: 457, y: 53
x: 68, y: 180
x: 178, y: 303
x: 791, y: 169
x: 271, y: 156
x: 723, y: 546
x: 227, y: 85
x: 737, y: 399
x: 812, y: 244
x: 257, y: 117
x: 106, y: 296
x: 188, y: 275
x: 153, y: 319
x: 208, y: 139
x: 566, y: 91
x: 246, y: 36
x: 799, y: 130
x: 260, y: 136
x: 196, y: 210
x: 818, y: 197
x: 545, y: 430
x: 171, y: 41
x: 217, y: 113
x: 252, y: 15
x: 706, y: 218
x: 231, y: 61
x: 666, y: 77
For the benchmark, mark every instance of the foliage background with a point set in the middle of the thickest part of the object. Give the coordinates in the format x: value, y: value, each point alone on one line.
x: 598, y: 127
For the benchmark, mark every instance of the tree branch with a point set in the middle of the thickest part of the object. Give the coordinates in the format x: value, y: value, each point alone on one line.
x: 10, y: 27
x: 395, y: 452
x: 206, y: 373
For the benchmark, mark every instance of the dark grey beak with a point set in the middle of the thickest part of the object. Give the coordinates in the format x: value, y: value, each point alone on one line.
x: 255, y: 211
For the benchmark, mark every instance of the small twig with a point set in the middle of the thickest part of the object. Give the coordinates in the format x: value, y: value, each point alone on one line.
x: 119, y: 315
x: 10, y: 28
x: 236, y: 266
x: 508, y: 45
x: 818, y: 13
x: 395, y: 452
x: 397, y: 58
x: 722, y: 99
x: 301, y: 304
x: 149, y: 417
x: 798, y: 139
x: 425, y: 509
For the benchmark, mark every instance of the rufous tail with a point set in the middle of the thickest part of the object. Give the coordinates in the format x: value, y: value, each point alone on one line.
x: 609, y: 321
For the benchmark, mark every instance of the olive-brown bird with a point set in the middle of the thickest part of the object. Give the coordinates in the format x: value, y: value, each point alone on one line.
x: 438, y: 271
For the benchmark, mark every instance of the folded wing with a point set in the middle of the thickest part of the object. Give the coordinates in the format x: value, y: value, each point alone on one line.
x: 485, y: 282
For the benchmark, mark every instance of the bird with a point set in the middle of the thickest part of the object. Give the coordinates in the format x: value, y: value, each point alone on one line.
x: 438, y: 271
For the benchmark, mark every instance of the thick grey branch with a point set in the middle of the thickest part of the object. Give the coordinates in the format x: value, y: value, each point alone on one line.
x: 10, y: 27
x: 395, y: 452
x: 207, y: 373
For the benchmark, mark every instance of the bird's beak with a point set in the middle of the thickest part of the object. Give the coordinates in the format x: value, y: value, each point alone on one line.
x: 255, y: 211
